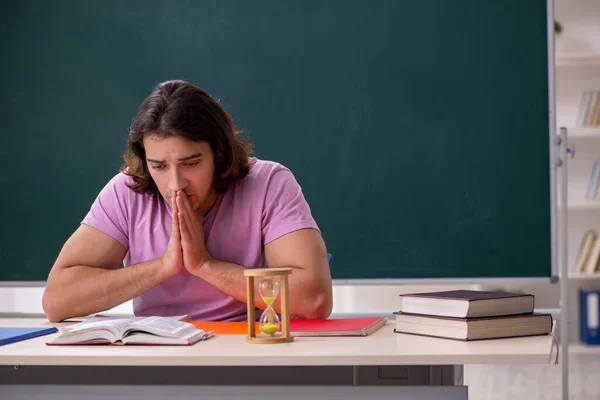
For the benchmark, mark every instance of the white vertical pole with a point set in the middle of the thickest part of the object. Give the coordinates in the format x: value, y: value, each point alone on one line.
x: 564, y: 268
x: 561, y: 246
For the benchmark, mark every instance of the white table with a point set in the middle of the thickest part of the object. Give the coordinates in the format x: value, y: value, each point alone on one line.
x: 385, y: 364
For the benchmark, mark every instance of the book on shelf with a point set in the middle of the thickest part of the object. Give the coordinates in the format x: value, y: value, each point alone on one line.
x: 466, y: 303
x: 588, y: 255
x: 480, y: 328
x: 132, y: 331
x: 593, y: 188
x: 589, y: 316
x: 588, y: 114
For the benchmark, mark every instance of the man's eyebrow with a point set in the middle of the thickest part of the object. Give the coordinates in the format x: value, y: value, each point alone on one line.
x: 190, y: 157
x: 179, y: 159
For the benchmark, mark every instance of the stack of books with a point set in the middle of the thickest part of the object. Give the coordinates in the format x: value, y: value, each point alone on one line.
x: 471, y: 315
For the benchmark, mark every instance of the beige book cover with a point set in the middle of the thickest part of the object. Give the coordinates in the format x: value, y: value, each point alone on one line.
x: 592, y: 262
x: 585, y: 249
x: 595, y: 120
x: 597, y: 194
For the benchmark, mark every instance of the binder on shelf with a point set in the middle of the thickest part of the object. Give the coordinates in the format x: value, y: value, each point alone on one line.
x: 589, y: 316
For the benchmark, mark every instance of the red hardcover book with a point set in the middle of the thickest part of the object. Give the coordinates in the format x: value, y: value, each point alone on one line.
x: 304, y: 327
x: 336, y: 326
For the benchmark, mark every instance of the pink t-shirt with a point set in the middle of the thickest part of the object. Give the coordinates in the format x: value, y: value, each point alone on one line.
x: 265, y: 205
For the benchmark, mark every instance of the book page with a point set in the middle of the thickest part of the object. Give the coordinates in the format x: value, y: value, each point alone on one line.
x: 98, y: 323
x: 91, y: 337
x: 116, y: 322
x: 92, y: 330
x: 166, y: 327
x: 146, y: 338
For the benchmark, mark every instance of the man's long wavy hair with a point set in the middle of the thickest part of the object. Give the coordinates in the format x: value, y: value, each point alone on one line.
x: 178, y: 108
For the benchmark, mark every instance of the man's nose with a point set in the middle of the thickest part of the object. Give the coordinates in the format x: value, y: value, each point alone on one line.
x: 176, y: 181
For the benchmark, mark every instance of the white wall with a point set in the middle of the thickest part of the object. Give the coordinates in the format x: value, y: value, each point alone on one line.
x: 28, y: 300
x: 347, y: 299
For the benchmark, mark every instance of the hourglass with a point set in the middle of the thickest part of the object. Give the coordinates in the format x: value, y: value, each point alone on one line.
x: 272, y: 282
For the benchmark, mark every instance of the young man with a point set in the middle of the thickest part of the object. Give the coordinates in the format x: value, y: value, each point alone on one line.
x: 189, y: 211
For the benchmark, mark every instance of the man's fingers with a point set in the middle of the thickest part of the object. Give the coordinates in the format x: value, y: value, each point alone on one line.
x: 187, y: 214
x: 185, y: 234
x: 186, y: 203
x: 175, y: 234
x: 181, y: 217
x: 188, y: 206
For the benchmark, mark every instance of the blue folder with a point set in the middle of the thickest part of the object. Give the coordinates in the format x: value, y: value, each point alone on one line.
x: 11, y: 335
x: 589, y: 316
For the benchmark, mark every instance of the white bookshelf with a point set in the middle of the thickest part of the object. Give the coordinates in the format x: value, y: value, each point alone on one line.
x: 584, y: 276
x: 577, y: 69
x: 584, y: 205
x: 584, y: 133
x: 571, y: 81
x: 566, y: 60
x: 578, y: 348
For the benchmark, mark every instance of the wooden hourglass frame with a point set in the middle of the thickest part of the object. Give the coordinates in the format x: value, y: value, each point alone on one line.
x: 260, y: 273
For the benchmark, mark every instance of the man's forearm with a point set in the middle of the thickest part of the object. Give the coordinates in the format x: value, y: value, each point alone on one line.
x: 81, y: 290
x: 229, y: 278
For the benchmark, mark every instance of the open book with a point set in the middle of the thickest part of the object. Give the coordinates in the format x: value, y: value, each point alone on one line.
x: 136, y: 330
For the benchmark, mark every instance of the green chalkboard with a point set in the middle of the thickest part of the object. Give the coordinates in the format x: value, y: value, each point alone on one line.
x: 419, y: 130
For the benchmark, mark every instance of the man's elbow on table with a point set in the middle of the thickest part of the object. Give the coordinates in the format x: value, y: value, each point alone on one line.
x: 322, y: 307
x: 316, y: 306
x: 51, y: 307
x: 56, y: 303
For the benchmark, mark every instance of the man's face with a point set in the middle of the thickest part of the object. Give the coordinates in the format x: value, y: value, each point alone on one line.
x: 176, y: 163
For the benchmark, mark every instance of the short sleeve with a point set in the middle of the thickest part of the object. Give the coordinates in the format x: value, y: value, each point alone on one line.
x: 109, y: 213
x: 286, y: 209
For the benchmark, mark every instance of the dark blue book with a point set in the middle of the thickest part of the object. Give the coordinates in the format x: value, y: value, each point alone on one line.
x: 589, y: 317
x: 11, y: 335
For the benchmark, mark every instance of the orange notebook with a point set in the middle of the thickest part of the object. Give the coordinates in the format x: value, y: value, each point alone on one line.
x: 304, y: 327
x: 224, y: 328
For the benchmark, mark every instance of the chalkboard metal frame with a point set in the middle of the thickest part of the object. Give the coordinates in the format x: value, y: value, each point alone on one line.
x: 555, y: 245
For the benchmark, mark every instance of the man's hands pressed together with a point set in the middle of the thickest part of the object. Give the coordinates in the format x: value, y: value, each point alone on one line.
x: 172, y: 260
x: 186, y: 248
x: 191, y: 233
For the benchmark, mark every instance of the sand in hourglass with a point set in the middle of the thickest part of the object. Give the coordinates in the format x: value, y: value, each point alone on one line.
x: 268, y: 289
